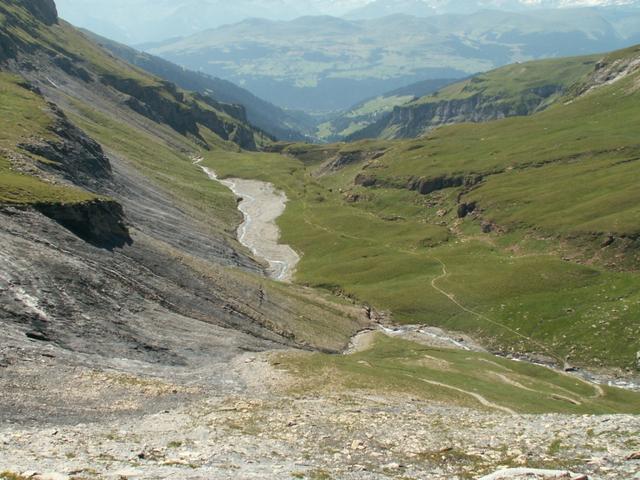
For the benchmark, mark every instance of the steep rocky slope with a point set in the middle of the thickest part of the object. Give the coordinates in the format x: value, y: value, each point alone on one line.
x: 113, y: 242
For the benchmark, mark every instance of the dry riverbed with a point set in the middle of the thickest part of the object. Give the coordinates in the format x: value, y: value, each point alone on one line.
x: 261, y: 205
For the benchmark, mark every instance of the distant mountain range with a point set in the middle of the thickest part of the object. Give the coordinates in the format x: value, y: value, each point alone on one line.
x: 324, y: 64
x: 378, y: 8
x: 121, y: 19
x: 162, y: 19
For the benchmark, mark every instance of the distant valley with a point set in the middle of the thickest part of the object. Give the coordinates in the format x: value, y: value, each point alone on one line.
x: 325, y: 64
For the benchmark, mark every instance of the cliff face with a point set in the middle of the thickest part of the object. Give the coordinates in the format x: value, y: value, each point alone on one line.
x: 422, y: 185
x: 343, y: 159
x: 43, y: 10
x: 608, y: 71
x: 99, y: 222
x: 414, y: 120
x: 165, y: 104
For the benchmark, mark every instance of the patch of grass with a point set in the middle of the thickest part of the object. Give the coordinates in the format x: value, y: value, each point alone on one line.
x: 24, y: 116
x: 318, y: 474
x: 11, y: 476
x: 16, y: 188
x: 455, y: 376
x: 554, y: 447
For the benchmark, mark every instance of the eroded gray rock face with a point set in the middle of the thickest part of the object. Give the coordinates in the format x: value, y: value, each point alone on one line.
x: 73, y: 154
x: 413, y: 120
x: 43, y: 10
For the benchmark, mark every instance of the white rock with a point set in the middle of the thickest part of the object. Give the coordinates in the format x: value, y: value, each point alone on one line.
x: 513, y: 473
x: 52, y: 476
x: 129, y: 473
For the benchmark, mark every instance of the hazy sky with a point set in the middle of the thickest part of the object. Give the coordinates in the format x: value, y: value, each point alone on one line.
x: 146, y: 20
x: 137, y: 21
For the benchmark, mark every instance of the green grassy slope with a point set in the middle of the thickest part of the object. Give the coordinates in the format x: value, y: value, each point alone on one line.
x: 518, y: 89
x: 579, y: 156
x: 548, y: 261
x: 474, y: 380
x: 511, y: 83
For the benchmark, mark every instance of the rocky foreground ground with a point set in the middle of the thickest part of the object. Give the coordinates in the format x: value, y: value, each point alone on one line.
x: 243, y: 421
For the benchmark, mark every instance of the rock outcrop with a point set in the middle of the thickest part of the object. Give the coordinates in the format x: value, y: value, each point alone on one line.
x: 607, y: 72
x: 415, y: 119
x: 166, y: 104
x: 8, y: 47
x: 74, y: 155
x: 70, y: 67
x: 422, y: 185
x: 427, y: 185
x: 99, y: 222
x: 43, y: 10
x: 344, y: 159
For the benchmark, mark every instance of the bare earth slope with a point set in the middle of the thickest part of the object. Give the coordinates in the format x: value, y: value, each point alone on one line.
x: 119, y: 253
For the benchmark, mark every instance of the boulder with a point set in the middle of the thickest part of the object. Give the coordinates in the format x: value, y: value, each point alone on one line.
x: 634, y: 456
x: 465, y: 209
x: 100, y: 221
x: 533, y: 474
x: 51, y: 476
